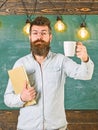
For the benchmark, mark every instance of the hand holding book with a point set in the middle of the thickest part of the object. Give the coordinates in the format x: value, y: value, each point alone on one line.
x: 21, y: 85
x: 28, y: 93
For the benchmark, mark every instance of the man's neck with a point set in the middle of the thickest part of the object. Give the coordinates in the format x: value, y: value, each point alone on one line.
x: 39, y: 59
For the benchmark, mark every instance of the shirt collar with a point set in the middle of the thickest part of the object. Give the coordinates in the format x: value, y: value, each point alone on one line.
x: 49, y: 54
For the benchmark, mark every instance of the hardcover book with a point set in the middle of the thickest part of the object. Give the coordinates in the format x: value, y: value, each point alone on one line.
x: 18, y: 77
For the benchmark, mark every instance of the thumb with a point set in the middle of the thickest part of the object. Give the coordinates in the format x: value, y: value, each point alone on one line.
x: 26, y: 85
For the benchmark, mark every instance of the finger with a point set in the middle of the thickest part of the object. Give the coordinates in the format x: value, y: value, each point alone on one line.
x: 32, y: 95
x: 80, y: 47
x: 79, y: 43
x: 25, y: 86
x: 31, y: 89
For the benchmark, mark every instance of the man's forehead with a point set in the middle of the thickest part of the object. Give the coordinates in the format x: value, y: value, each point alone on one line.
x: 39, y: 28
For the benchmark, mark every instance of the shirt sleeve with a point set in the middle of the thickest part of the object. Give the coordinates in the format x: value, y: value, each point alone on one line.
x: 11, y: 99
x: 83, y: 71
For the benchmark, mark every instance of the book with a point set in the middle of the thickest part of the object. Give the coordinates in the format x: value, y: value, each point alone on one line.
x: 18, y: 77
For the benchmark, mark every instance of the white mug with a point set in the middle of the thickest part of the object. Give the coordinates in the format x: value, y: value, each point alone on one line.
x: 69, y: 48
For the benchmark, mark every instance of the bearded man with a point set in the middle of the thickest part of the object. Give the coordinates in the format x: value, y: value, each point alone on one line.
x: 48, y: 72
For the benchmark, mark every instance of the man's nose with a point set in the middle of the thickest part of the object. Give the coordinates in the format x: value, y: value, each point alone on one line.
x: 39, y: 36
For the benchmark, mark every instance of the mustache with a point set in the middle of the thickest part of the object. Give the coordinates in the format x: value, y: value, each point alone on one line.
x: 39, y: 41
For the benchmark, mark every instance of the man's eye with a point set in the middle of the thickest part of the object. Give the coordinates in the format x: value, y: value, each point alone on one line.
x: 35, y: 33
x: 44, y: 33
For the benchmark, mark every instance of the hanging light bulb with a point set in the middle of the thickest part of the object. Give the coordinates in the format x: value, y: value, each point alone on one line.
x: 60, y: 26
x: 83, y: 32
x: 26, y: 28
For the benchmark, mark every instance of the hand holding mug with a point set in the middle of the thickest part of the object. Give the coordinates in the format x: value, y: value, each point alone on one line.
x: 81, y: 52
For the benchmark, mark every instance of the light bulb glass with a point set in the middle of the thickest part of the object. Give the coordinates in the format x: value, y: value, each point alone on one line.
x: 83, y: 33
x: 26, y: 28
x: 60, y: 26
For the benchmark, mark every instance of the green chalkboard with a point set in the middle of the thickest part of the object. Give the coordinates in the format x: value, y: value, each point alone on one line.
x: 14, y: 44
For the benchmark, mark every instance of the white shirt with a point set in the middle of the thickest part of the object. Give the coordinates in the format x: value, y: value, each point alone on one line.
x: 49, y: 80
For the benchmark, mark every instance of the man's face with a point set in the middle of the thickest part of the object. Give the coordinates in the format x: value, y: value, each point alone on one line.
x: 40, y: 38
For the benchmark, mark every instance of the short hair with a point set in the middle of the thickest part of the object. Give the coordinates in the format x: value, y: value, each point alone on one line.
x: 41, y: 21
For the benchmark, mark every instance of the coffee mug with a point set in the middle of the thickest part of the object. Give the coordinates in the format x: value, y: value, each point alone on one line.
x: 69, y: 48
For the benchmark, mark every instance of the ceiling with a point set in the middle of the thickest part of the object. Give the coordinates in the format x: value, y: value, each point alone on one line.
x: 53, y: 7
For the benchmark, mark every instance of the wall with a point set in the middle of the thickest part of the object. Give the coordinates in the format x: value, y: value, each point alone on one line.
x: 77, y: 120
x: 14, y: 44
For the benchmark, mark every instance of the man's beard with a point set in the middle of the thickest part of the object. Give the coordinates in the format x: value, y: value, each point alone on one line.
x: 40, y: 47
